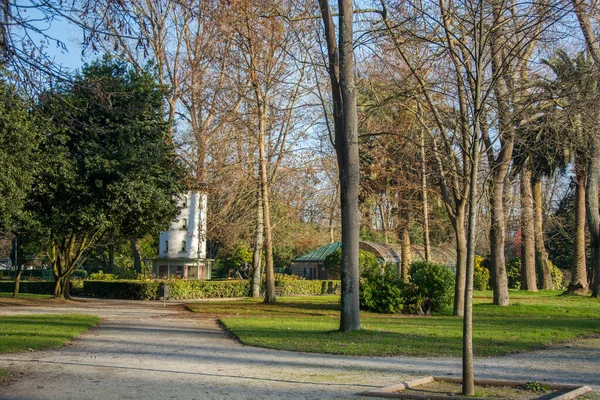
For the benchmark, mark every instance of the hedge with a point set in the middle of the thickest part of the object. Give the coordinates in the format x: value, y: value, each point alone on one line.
x: 179, y: 289
x: 297, y: 287
x: 39, y: 287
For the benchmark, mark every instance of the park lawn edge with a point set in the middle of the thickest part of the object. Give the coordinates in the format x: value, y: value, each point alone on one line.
x: 540, y: 321
x: 53, y: 331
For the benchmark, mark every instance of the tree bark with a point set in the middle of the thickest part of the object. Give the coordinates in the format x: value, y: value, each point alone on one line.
x: 111, y: 258
x: 405, y: 251
x: 593, y: 173
x: 528, y: 245
x: 137, y: 256
x: 264, y: 190
x: 579, y: 279
x: 258, y: 247
x: 541, y: 255
x: 458, y: 223
x: 341, y: 73
x: 425, y: 205
x: 18, y: 268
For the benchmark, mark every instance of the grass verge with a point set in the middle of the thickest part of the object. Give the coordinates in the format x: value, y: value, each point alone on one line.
x: 36, y: 332
x: 309, y: 324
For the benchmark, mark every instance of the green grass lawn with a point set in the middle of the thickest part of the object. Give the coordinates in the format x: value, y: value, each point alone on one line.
x: 26, y: 295
x: 36, y: 332
x: 310, y: 324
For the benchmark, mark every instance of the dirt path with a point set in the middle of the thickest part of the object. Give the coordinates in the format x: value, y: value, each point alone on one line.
x: 144, y: 350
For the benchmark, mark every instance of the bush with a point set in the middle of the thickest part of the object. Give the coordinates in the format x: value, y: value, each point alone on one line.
x: 557, y: 276
x: 513, y: 273
x: 294, y: 286
x: 380, y: 294
x: 481, y: 277
x: 431, y: 288
x: 367, y: 263
x: 101, y: 276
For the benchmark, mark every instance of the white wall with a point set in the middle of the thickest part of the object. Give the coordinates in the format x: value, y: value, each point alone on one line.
x: 194, y: 234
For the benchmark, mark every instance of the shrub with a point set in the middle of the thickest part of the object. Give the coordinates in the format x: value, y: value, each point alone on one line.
x: 101, y: 276
x: 513, y: 273
x: 380, y: 294
x: 557, y: 276
x: 481, y: 277
x: 431, y: 288
x: 293, y: 286
x: 367, y: 263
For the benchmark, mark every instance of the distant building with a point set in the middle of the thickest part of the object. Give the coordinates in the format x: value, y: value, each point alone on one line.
x: 182, y: 249
x: 312, y: 265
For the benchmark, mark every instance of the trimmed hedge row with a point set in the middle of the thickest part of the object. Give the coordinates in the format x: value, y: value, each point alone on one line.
x: 39, y: 287
x: 179, y: 289
x: 297, y: 287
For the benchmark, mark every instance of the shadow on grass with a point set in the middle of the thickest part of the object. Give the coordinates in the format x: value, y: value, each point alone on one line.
x: 414, y: 337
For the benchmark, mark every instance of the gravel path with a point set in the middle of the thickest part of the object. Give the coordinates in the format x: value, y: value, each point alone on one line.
x: 145, y: 350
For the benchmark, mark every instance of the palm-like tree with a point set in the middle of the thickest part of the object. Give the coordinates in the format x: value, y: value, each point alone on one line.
x: 570, y: 104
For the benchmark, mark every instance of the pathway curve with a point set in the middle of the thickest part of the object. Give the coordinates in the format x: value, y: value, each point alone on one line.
x: 143, y: 350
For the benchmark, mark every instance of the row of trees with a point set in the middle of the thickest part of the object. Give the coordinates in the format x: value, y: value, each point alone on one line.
x: 455, y: 104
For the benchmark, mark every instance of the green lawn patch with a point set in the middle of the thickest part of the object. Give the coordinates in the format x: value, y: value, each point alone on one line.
x: 37, y: 332
x: 310, y: 324
x: 26, y: 295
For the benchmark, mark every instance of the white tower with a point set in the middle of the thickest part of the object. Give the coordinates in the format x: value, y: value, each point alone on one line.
x: 182, y: 249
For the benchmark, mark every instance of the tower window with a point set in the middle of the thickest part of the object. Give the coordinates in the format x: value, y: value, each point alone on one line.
x: 166, y: 246
x: 183, y: 245
x: 184, y: 223
x: 185, y: 202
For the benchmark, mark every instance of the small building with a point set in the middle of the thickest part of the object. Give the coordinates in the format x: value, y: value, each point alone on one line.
x: 312, y: 265
x: 182, y: 249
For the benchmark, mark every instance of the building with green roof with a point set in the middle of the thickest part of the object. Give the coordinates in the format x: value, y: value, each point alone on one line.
x: 312, y: 265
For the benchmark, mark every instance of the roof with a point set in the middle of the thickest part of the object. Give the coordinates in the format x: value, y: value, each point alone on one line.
x: 319, y: 254
x: 444, y: 254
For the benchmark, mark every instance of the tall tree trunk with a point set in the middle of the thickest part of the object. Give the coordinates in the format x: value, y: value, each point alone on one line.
x: 17, y: 266
x: 461, y: 261
x: 341, y: 73
x: 258, y: 247
x: 528, y: 281
x: 137, y: 256
x: 579, y: 280
x: 425, y: 205
x: 111, y: 258
x: 405, y: 251
x: 593, y: 214
x: 332, y: 209
x: 498, y: 263
x: 541, y: 255
x: 264, y: 190
x: 384, y: 224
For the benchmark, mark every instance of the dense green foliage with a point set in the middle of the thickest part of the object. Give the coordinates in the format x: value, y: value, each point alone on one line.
x: 108, y: 167
x: 19, y: 139
x: 381, y: 294
x: 307, y: 325
x: 38, y: 287
x: 38, y: 332
x: 367, y: 263
x: 430, y: 288
x: 481, y: 276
